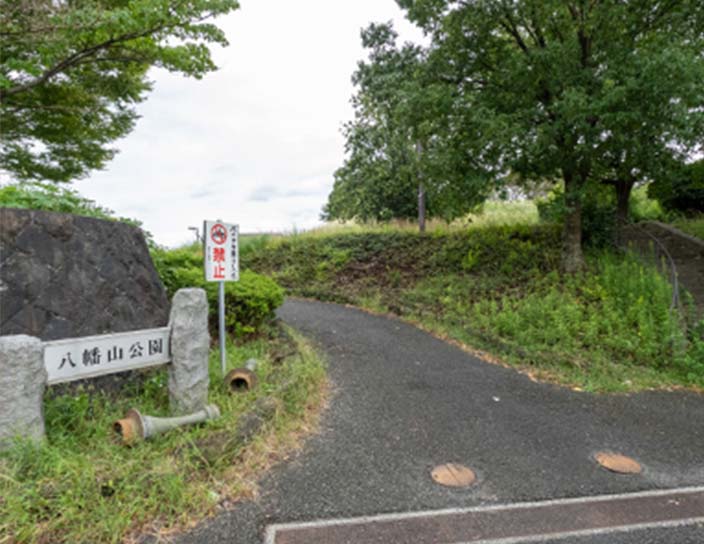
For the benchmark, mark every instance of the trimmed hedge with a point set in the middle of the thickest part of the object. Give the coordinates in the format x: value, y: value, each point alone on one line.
x: 249, y: 303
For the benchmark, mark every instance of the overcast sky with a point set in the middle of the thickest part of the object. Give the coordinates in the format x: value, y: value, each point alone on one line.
x: 257, y: 142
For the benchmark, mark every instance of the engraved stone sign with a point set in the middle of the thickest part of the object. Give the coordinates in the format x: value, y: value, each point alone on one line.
x: 28, y: 365
x: 89, y: 356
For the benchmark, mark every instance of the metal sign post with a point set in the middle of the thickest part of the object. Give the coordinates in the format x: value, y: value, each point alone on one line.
x: 221, y: 317
x: 222, y: 263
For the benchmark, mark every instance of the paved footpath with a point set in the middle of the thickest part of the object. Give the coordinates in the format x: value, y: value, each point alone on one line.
x: 404, y: 402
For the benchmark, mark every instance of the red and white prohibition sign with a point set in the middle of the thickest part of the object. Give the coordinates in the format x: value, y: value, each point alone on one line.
x: 218, y: 233
x: 221, y: 251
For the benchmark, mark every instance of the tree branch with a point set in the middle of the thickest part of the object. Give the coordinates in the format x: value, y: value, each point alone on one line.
x: 75, y: 59
x: 513, y: 31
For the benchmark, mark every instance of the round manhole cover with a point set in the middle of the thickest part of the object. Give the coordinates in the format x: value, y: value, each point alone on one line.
x: 453, y: 475
x: 615, y: 462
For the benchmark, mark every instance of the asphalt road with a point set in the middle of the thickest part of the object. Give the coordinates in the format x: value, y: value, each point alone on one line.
x: 405, y: 402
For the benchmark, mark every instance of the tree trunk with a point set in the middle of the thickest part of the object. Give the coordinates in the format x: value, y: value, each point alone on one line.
x: 421, y: 191
x: 623, y: 197
x: 421, y: 208
x: 572, y: 256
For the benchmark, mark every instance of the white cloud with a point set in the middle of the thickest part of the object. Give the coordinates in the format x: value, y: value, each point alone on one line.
x: 255, y: 142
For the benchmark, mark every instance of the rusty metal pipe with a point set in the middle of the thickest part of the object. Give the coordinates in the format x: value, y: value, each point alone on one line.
x: 241, y: 380
x: 135, y: 426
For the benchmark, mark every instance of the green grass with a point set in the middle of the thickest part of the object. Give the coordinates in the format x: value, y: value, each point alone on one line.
x: 499, y: 212
x: 609, y: 329
x: 497, y: 288
x: 253, y: 242
x: 692, y: 225
x: 340, y: 267
x: 82, y: 486
x: 491, y: 213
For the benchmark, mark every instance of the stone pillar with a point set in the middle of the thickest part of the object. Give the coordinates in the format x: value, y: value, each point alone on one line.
x: 190, y: 344
x: 22, y: 383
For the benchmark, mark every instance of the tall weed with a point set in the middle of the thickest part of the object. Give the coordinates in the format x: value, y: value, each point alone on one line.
x: 616, y: 313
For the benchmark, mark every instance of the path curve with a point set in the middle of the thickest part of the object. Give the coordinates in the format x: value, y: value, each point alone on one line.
x: 404, y: 402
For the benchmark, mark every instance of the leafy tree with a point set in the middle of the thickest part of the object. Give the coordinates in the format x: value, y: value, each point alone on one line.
x: 72, y: 71
x: 372, y: 186
x: 405, y: 142
x: 564, y: 88
x: 681, y: 189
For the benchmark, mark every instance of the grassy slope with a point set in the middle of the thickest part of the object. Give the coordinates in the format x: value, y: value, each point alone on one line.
x: 83, y: 486
x: 497, y: 288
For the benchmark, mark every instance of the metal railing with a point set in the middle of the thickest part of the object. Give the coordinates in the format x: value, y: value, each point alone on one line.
x: 661, y: 249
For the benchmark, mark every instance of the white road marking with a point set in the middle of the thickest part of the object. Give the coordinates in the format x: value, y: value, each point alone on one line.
x: 589, y: 532
x: 270, y: 535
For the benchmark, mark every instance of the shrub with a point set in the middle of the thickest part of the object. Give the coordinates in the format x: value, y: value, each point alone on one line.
x: 249, y: 303
x: 683, y: 191
x: 501, y: 249
x: 55, y: 198
x: 50, y: 197
x: 645, y: 208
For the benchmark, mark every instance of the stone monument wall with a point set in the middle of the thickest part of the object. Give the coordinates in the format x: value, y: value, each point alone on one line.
x: 65, y: 276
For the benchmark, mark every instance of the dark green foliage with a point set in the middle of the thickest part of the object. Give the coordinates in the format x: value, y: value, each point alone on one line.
x: 71, y: 74
x: 598, y: 218
x: 368, y: 192
x: 585, y: 92
x: 682, y: 190
x: 404, y: 135
x: 249, y: 303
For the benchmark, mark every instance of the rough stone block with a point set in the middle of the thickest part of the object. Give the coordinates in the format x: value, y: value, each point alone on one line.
x: 190, y: 342
x: 22, y: 383
x: 64, y: 276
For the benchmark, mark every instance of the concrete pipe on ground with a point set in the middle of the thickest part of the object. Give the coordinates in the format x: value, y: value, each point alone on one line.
x: 135, y: 426
x: 241, y: 380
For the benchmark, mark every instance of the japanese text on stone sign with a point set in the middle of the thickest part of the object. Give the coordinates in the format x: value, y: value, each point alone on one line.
x: 79, y: 358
